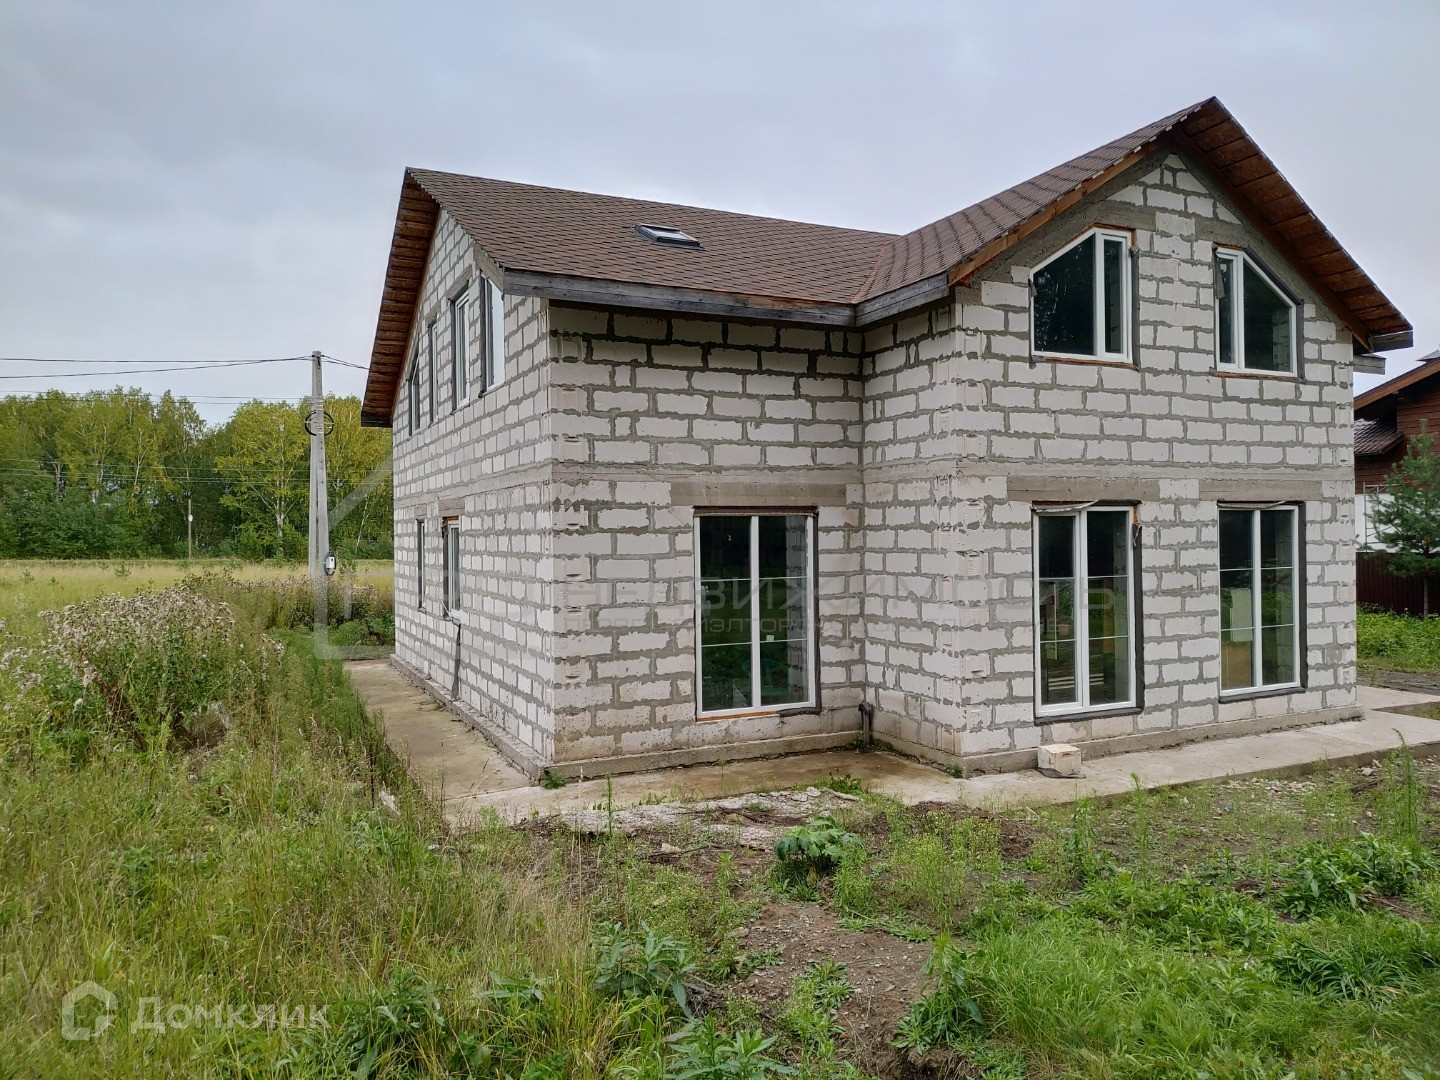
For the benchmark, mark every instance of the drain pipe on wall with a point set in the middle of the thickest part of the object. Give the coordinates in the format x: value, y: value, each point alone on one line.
x: 867, y: 722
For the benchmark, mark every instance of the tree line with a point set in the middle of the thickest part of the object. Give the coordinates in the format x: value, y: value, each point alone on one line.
x: 113, y: 474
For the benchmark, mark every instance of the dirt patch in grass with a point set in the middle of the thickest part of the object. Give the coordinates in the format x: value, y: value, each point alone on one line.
x: 1419, y: 682
x: 884, y: 970
x: 1016, y: 837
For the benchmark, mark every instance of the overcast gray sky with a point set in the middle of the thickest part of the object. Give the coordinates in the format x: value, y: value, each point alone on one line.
x: 203, y: 180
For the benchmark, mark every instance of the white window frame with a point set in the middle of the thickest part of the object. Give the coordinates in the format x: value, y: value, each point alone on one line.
x: 460, y: 348
x: 812, y: 644
x: 1127, y: 354
x: 494, y: 373
x: 430, y: 364
x: 1238, y: 260
x: 450, y: 564
x: 1079, y: 559
x: 420, y: 564
x: 1296, y: 589
x: 412, y: 393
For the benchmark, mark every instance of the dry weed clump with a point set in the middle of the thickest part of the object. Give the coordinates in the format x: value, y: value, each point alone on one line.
x: 156, y: 669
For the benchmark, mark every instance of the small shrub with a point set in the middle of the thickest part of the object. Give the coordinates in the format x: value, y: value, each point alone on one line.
x: 1324, y: 877
x: 814, y: 1001
x: 398, y: 1027
x: 1083, y: 856
x: 704, y: 1052
x: 815, y: 849
x: 947, y: 1013
x: 631, y: 965
x: 551, y: 781
x: 843, y: 783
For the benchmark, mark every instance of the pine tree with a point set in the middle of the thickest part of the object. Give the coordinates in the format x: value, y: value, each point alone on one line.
x: 1407, y: 518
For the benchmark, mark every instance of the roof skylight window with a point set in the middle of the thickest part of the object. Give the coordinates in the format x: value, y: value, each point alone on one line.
x: 667, y: 237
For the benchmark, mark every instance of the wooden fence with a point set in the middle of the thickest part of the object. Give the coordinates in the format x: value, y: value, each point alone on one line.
x: 1375, y: 586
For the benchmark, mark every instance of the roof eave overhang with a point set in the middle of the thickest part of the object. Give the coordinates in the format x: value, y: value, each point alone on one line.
x: 1211, y: 137
x: 595, y: 292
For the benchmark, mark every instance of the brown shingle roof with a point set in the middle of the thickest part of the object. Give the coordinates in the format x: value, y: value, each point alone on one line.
x: 541, y: 238
x: 576, y: 234
x: 1375, y: 437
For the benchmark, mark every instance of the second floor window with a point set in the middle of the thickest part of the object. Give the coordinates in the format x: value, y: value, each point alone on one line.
x: 430, y: 364
x: 494, y: 335
x: 1080, y: 299
x: 412, y: 393
x: 459, y: 350
x: 1254, y: 320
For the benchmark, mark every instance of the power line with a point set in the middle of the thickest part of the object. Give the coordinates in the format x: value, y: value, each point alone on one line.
x: 204, y: 366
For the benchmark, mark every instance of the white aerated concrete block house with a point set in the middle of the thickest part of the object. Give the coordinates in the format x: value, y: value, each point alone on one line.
x: 1071, y: 465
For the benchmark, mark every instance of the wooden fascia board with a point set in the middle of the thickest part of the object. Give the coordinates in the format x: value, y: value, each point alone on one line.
x: 594, y: 292
x: 1191, y: 150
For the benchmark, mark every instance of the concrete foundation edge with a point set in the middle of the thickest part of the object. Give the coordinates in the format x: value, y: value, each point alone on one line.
x: 592, y: 768
x: 511, y: 748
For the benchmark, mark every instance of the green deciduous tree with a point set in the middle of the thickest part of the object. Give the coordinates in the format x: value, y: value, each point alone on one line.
x: 1407, y: 517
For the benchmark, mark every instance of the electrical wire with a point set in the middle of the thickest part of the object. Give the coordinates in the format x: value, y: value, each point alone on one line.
x: 211, y: 366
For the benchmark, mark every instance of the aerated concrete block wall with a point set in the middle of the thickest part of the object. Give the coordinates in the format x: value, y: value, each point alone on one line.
x: 653, y: 418
x: 922, y: 445
x: 486, y: 462
x: 955, y: 676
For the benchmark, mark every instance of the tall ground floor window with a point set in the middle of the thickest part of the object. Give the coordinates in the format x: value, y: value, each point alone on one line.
x: 420, y: 565
x: 451, y: 537
x: 1084, y: 609
x: 755, y: 617
x: 1259, y: 630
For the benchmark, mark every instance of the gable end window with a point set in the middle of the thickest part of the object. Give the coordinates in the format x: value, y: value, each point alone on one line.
x: 459, y: 350
x: 755, y: 617
x: 1084, y: 610
x: 1254, y: 319
x: 1080, y: 299
x: 494, y: 334
x: 1259, y: 583
x: 412, y: 393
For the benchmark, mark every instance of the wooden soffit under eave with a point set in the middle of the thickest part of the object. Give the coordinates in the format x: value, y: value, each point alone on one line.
x: 415, y: 220
x: 1213, y: 139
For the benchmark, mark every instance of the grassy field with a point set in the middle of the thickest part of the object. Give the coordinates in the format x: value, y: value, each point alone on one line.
x: 199, y: 816
x: 1398, y: 643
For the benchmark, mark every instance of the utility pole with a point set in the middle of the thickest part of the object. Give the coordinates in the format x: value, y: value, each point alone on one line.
x: 189, y: 527
x: 319, y: 501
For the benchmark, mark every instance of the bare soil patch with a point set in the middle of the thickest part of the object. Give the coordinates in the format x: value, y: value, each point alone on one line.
x: 884, y: 970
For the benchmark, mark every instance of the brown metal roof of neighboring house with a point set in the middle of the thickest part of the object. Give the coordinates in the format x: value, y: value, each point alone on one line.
x: 584, y: 248
x: 1375, y: 437
x: 1429, y: 368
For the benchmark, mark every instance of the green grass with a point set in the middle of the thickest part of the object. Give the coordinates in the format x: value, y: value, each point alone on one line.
x: 1254, y: 928
x: 1388, y: 642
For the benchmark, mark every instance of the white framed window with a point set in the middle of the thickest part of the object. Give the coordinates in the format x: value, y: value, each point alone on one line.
x: 430, y: 364
x: 412, y: 393
x: 459, y: 350
x: 1254, y: 319
x: 755, y: 612
x: 1084, y: 609
x: 1259, y: 598
x: 494, y: 335
x: 450, y: 535
x: 1080, y: 299
x: 420, y: 564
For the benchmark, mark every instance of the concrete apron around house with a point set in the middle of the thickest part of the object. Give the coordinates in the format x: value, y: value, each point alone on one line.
x: 471, y: 777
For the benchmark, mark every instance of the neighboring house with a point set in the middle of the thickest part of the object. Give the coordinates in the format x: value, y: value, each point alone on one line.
x: 1385, y: 418
x: 675, y: 485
